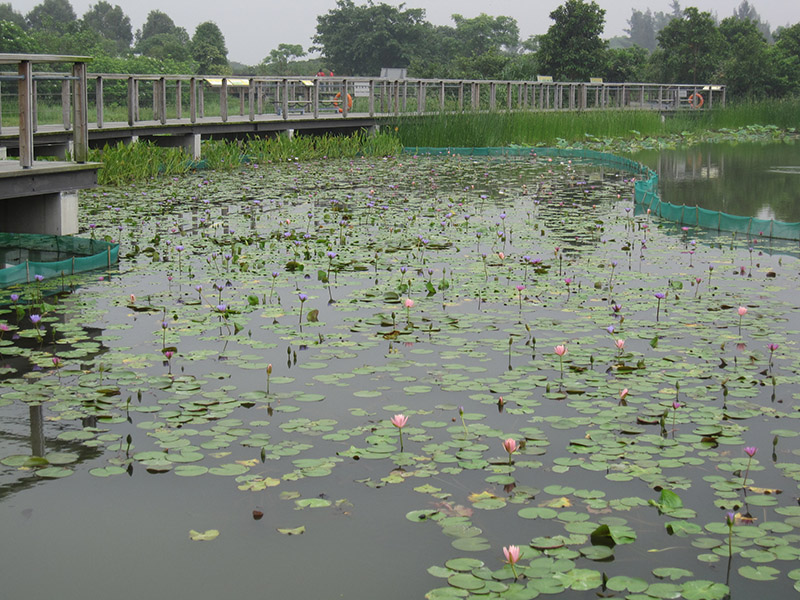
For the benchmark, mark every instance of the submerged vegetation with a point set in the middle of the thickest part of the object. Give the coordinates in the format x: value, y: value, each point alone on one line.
x: 495, y: 362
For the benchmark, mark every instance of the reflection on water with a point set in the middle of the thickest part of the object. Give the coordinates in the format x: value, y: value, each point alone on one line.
x: 744, y: 179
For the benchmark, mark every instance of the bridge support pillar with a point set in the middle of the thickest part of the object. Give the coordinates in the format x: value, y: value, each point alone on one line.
x: 290, y: 133
x: 51, y: 214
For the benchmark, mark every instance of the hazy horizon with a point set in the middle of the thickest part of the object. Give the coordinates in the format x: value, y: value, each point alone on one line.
x: 271, y: 23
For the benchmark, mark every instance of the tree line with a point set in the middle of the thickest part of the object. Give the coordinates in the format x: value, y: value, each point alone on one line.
x: 105, y: 33
x: 682, y: 45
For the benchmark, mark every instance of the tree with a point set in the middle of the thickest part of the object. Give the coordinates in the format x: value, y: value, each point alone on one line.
x: 7, y: 13
x: 277, y: 63
x: 691, y: 48
x: 746, y: 66
x: 785, y: 55
x: 641, y: 29
x: 111, y: 23
x: 208, y: 49
x: 157, y: 23
x: 572, y: 49
x: 14, y: 39
x: 626, y: 64
x: 484, y: 34
x: 52, y: 15
x: 159, y: 38
x: 360, y: 40
x: 747, y: 11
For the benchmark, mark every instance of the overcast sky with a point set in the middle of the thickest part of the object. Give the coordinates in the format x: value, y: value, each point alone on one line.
x: 254, y: 27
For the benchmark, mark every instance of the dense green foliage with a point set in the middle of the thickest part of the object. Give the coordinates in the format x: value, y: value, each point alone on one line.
x: 572, y: 50
x: 360, y: 37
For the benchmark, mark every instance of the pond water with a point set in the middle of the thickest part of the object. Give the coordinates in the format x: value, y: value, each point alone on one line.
x: 747, y: 179
x: 215, y: 416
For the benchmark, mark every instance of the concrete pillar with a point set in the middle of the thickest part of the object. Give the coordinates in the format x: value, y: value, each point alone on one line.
x: 192, y: 145
x: 50, y: 214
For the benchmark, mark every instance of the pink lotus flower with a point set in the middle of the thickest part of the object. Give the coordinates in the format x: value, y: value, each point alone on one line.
x: 408, y: 303
x: 501, y: 255
x: 623, y: 393
x: 561, y: 349
x: 399, y: 421
x: 750, y: 451
x: 510, y: 445
x: 133, y: 299
x: 742, y: 311
x: 620, y: 344
x: 512, y: 554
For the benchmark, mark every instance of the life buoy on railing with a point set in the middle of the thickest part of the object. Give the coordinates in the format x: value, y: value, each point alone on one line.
x: 338, y: 97
x: 696, y: 100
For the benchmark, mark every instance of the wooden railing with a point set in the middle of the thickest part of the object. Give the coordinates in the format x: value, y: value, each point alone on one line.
x: 120, y: 99
x: 73, y: 100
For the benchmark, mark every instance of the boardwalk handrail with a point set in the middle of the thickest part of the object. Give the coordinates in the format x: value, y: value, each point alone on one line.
x: 27, y: 93
x: 176, y: 98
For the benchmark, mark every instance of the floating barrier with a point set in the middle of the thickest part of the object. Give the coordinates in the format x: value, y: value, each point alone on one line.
x: 84, y: 255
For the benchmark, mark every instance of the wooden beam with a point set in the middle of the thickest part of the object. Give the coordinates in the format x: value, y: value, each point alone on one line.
x: 26, y: 114
x: 80, y: 116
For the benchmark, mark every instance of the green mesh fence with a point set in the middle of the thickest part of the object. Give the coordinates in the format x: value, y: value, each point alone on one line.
x: 70, y: 255
x: 646, y: 191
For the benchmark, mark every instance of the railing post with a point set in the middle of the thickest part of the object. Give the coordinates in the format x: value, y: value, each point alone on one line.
x: 34, y: 103
x: 223, y: 100
x: 405, y: 95
x: 80, y: 127
x: 65, y: 104
x: 136, y: 106
x: 371, y: 97
x: 131, y: 100
x: 251, y: 100
x: 441, y: 95
x: 492, y: 96
x: 193, y: 99
x: 508, y: 96
x: 162, y: 100
x: 1, y: 111
x: 201, y: 102
x: 345, y: 108
x: 26, y: 114
x: 285, y: 99
x: 98, y: 100
x: 461, y: 96
x: 315, y: 98
x: 178, y: 99
x: 420, y: 97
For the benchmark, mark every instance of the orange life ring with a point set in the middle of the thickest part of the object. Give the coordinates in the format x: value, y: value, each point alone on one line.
x: 696, y: 100
x: 338, y: 97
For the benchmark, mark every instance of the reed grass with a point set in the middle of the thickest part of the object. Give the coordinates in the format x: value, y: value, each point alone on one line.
x: 501, y: 128
x: 124, y: 163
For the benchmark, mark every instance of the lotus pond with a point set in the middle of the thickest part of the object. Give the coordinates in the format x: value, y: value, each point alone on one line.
x: 402, y: 378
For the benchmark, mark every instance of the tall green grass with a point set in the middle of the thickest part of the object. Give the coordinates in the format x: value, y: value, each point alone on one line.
x: 124, y: 163
x: 475, y: 129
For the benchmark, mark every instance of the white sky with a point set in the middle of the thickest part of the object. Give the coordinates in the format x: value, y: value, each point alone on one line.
x: 254, y: 27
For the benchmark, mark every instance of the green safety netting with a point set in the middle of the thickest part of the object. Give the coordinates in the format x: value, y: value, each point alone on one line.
x: 646, y: 191
x: 82, y: 255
